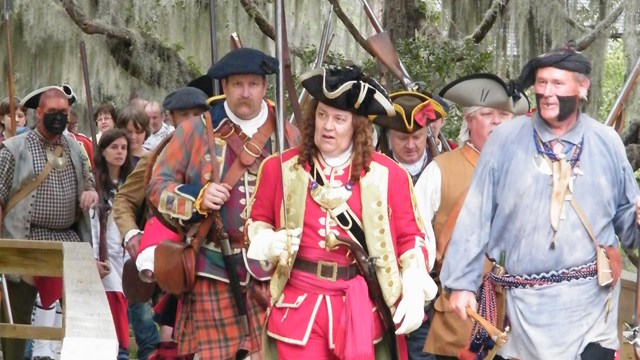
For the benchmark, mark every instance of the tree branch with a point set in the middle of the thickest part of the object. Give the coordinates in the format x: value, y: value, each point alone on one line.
x: 488, y: 20
x: 568, y: 19
x: 586, y: 40
x: 263, y: 24
x: 167, y: 71
x: 91, y: 27
x: 353, y: 30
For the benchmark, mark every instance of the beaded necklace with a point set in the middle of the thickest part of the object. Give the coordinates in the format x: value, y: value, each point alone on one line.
x: 544, y: 148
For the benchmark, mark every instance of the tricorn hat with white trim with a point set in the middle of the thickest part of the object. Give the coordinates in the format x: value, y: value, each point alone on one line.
x: 32, y: 101
x: 486, y: 90
x: 347, y: 88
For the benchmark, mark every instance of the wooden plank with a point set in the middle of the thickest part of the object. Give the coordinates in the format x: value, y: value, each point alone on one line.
x: 33, y: 261
x: 20, y: 331
x: 89, y: 332
x: 31, y: 244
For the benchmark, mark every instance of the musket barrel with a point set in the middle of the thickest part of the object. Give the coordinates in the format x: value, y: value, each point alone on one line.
x: 372, y: 17
x: 214, y: 41
x: 87, y: 91
x: 624, y: 94
x: 12, y: 99
x: 323, y: 48
x: 286, y: 260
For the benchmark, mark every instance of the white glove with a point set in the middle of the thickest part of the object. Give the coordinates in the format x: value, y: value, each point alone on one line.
x: 268, y: 244
x: 416, y: 290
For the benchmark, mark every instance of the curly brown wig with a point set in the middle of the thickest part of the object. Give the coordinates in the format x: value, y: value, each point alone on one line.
x: 362, y: 141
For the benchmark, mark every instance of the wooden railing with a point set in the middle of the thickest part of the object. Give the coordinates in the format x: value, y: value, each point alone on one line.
x: 87, y: 327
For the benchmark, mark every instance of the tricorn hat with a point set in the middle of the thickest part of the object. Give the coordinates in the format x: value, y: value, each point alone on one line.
x: 32, y: 100
x: 204, y: 83
x: 347, y: 88
x: 414, y: 111
x: 243, y: 61
x: 486, y: 90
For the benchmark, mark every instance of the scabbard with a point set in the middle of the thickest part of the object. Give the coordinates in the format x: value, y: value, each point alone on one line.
x: 234, y: 281
x: 375, y: 293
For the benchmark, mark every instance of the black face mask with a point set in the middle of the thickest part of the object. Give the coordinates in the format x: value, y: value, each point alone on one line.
x: 55, y: 123
x: 567, y: 105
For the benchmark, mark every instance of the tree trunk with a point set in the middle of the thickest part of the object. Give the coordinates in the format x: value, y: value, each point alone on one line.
x: 402, y: 18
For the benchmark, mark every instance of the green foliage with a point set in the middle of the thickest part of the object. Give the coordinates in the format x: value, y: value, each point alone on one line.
x: 434, y: 65
x: 194, y: 65
x: 613, y: 77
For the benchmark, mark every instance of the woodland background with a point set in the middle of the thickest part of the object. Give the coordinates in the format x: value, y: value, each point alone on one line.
x: 149, y: 47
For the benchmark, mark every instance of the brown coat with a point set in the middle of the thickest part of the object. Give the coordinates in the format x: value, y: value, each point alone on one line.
x: 130, y: 197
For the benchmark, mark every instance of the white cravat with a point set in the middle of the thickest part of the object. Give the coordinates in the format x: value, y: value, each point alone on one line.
x: 249, y: 127
x: 414, y: 168
x: 338, y: 160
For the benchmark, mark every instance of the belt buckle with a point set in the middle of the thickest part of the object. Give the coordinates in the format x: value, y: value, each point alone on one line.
x: 255, y: 151
x: 326, y: 264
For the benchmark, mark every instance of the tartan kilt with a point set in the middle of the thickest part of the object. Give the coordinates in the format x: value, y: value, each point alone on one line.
x: 208, y: 323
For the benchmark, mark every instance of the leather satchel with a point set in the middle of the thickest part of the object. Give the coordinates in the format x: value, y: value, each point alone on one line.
x: 176, y: 267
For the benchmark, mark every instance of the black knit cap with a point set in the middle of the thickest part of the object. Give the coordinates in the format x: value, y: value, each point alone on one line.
x: 347, y: 88
x: 243, y: 61
x: 185, y: 98
x: 566, y: 58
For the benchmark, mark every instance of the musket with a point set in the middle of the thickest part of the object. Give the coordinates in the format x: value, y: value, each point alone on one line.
x: 103, y: 207
x: 214, y: 42
x: 382, y: 47
x: 287, y: 74
x: 616, y: 117
x: 12, y: 112
x: 323, y: 50
x: 222, y: 236
x: 234, y: 41
x: 285, y: 262
x: 366, y: 265
x: 12, y: 100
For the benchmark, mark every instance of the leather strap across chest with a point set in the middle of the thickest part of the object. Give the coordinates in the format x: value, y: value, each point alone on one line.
x: 247, y: 149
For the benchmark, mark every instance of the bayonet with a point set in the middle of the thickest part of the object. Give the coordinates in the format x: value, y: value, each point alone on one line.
x: 323, y: 49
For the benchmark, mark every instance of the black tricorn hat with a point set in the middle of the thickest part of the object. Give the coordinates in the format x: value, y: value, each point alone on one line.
x: 347, y: 88
x: 243, y: 61
x: 204, y: 83
x: 185, y: 98
x: 486, y: 90
x: 414, y: 111
x: 32, y: 100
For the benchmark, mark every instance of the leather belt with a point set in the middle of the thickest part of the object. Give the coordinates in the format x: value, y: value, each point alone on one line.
x: 326, y: 270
